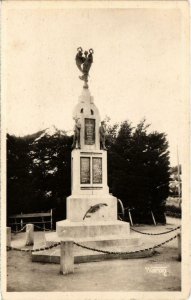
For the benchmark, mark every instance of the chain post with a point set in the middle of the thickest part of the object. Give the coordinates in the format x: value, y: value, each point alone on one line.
x: 8, y: 236
x: 29, y: 235
x: 179, y: 246
x: 66, y: 257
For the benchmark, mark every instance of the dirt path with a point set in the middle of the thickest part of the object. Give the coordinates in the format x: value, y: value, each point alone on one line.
x: 112, y: 275
x: 115, y: 275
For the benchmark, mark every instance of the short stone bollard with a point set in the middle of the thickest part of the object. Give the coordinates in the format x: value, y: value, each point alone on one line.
x: 66, y: 257
x: 179, y: 246
x: 29, y: 235
x: 8, y: 236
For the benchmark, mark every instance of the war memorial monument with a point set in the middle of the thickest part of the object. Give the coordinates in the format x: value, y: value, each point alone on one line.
x: 91, y: 210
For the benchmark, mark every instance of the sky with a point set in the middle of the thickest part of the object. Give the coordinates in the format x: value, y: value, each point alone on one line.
x: 137, y: 70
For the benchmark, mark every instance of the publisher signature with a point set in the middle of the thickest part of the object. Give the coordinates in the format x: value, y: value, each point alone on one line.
x: 157, y: 269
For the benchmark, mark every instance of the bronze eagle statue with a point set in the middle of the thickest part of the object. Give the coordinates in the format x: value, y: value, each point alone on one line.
x: 84, y: 62
x: 93, y: 209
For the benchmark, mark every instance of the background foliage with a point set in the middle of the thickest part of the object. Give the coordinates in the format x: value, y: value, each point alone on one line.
x: 39, y: 171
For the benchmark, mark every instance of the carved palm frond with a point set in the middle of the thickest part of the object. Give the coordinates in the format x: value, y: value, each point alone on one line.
x: 93, y: 209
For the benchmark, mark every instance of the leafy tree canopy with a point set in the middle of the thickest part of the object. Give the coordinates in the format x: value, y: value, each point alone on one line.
x: 139, y: 168
x: 39, y: 170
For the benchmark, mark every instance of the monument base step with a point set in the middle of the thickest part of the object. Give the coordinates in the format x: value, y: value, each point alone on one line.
x: 112, y: 236
x: 89, y: 228
x: 82, y: 255
x: 111, y: 243
x: 97, y: 241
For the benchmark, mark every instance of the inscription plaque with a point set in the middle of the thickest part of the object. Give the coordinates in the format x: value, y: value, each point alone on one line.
x: 89, y: 131
x: 84, y: 170
x: 97, y: 169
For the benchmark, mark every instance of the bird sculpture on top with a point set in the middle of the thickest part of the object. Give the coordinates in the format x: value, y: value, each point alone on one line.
x: 84, y: 62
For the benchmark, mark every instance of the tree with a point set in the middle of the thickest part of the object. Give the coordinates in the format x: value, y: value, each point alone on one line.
x: 38, y: 173
x: 51, y: 160
x: 139, y: 170
x: 39, y: 170
x: 19, y: 189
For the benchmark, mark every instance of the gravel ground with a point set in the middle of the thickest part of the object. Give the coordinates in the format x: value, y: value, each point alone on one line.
x: 110, y: 275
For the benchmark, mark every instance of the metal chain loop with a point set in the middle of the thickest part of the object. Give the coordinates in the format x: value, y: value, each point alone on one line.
x: 94, y: 249
x: 44, y: 229
x: 165, y: 232
x: 34, y: 250
x: 127, y: 252
x: 147, y: 233
x: 18, y: 230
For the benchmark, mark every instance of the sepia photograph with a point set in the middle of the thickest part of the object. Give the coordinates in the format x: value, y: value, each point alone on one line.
x: 95, y: 158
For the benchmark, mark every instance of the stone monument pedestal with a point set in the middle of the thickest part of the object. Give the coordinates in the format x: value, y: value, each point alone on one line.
x: 77, y: 206
x: 109, y: 235
x: 91, y: 210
